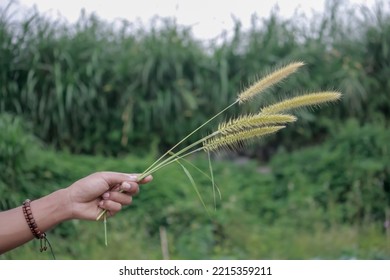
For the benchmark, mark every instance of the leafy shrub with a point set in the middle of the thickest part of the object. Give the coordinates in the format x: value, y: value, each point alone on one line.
x: 15, y: 141
x: 348, y: 176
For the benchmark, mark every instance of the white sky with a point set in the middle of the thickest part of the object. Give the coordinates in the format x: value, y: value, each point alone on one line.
x: 208, y: 18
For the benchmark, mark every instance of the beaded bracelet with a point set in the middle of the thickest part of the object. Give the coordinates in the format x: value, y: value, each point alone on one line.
x: 33, y: 225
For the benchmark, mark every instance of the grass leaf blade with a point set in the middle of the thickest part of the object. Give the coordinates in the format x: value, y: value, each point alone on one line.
x: 212, y: 181
x: 188, y: 174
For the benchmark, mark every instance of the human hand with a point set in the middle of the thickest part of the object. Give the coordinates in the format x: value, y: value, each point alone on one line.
x: 102, y: 190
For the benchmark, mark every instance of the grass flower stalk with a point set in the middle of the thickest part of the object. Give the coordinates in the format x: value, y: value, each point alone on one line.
x: 244, y: 128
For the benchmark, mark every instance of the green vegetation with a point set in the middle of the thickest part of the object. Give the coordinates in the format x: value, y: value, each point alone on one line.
x: 98, y: 88
x: 94, y: 96
x: 331, y: 203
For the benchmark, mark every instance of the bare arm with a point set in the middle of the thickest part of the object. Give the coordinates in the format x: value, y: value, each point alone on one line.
x: 48, y: 211
x: 82, y: 200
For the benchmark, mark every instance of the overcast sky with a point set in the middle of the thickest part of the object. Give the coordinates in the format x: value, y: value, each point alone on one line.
x: 207, y: 18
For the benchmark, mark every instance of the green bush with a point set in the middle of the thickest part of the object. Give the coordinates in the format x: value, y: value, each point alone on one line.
x: 348, y: 177
x: 95, y: 88
x: 15, y: 143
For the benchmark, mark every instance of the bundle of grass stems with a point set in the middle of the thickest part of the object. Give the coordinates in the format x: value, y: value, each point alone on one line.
x: 249, y: 127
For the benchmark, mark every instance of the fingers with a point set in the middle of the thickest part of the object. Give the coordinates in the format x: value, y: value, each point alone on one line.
x: 113, y: 201
x: 147, y: 179
x: 111, y: 206
x: 120, y: 195
x: 123, y: 188
x: 130, y: 188
x: 113, y: 178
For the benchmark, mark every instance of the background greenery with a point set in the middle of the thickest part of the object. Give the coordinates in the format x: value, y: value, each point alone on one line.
x: 75, y: 99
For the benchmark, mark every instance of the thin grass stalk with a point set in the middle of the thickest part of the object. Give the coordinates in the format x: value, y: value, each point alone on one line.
x: 105, y: 230
x: 247, y: 94
x: 175, y: 155
x: 245, y: 127
x: 212, y: 181
x: 174, y: 158
x: 146, y: 172
x: 235, y: 125
x: 189, y: 176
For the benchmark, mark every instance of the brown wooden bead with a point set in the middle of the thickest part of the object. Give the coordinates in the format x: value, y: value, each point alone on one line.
x: 28, y: 215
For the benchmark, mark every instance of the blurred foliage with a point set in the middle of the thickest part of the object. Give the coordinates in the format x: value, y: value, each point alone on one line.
x: 76, y: 99
x: 15, y: 143
x: 98, y: 87
x: 330, y: 201
x: 348, y: 177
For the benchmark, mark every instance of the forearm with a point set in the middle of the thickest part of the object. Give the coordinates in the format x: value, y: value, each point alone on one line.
x: 47, y: 211
x: 84, y: 199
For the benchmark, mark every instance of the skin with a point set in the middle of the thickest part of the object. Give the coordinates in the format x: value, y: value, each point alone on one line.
x: 82, y: 200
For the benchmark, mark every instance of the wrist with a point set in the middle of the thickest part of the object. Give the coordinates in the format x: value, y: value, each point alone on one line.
x: 50, y: 210
x: 58, y: 206
x: 65, y: 207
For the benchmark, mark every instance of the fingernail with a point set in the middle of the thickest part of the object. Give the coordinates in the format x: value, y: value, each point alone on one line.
x: 133, y: 178
x: 106, y: 195
x: 126, y: 186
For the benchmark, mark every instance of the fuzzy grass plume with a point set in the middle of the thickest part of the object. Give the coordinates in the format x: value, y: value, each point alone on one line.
x: 306, y: 100
x: 268, y: 81
x: 245, y: 128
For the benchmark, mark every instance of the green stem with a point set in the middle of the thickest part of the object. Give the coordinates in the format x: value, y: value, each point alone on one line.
x: 175, y: 155
x: 105, y: 229
x: 172, y: 159
x: 147, y: 171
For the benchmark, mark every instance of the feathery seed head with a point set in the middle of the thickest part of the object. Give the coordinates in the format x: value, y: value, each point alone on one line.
x: 232, y: 139
x: 268, y: 81
x: 253, y: 121
x: 302, y: 101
